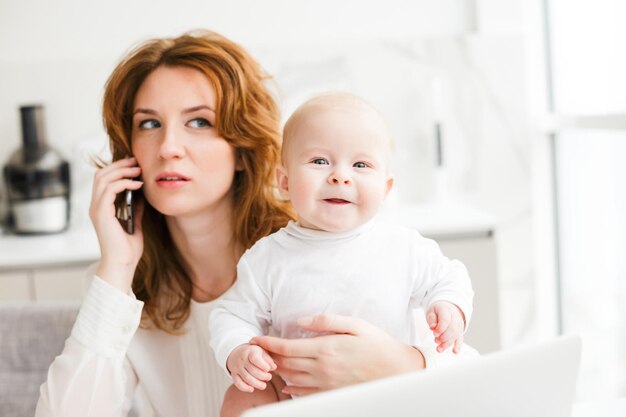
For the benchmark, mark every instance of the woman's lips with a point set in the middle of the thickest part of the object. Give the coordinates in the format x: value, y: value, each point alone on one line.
x: 171, y: 180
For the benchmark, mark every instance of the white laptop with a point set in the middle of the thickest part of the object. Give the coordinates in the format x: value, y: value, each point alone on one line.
x: 534, y: 381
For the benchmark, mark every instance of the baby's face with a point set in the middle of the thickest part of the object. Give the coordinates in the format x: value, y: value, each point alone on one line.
x: 336, y: 168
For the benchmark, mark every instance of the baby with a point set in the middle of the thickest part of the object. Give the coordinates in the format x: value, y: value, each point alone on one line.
x: 337, y: 257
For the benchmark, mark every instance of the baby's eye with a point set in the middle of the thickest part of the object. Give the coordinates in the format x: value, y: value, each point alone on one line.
x: 199, y: 123
x: 149, y: 124
x: 320, y: 161
x: 360, y: 164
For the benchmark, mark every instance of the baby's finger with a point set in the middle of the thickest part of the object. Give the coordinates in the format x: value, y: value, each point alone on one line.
x: 443, y: 323
x: 251, y: 380
x: 457, y: 345
x: 257, y: 373
x: 257, y: 359
x: 450, y: 335
x: 443, y: 346
x: 431, y: 319
x: 268, y: 359
x: 241, y: 386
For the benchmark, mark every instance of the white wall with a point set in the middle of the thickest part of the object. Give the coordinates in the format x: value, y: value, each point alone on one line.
x: 60, y: 53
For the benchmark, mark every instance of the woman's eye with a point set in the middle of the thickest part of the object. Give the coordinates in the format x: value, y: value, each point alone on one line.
x: 360, y: 165
x: 320, y: 161
x: 199, y: 123
x: 149, y: 124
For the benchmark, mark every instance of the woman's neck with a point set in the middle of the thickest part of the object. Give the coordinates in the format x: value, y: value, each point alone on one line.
x: 207, y: 244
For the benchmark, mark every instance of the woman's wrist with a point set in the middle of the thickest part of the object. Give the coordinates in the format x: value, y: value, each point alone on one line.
x: 410, y: 360
x: 119, y: 276
x: 405, y: 359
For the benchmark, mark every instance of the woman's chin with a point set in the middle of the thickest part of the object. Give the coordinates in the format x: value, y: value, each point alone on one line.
x: 168, y: 208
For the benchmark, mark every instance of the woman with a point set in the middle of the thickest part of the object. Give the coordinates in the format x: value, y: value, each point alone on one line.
x: 203, y: 129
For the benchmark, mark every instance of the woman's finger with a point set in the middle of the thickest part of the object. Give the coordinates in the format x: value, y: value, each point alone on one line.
x: 140, y: 207
x: 294, y: 364
x: 100, y: 188
x: 301, y: 379
x: 310, y: 348
x: 106, y: 199
x: 333, y: 323
x: 117, y: 172
x: 303, y: 348
x: 120, y: 163
x: 126, y: 168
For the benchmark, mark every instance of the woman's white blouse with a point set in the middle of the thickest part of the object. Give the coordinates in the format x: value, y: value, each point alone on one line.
x: 109, y: 363
x: 108, y: 358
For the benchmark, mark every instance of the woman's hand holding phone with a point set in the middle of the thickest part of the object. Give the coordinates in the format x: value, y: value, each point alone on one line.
x: 120, y: 251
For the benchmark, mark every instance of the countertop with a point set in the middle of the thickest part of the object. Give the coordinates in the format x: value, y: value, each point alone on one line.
x: 442, y: 220
x: 79, y: 243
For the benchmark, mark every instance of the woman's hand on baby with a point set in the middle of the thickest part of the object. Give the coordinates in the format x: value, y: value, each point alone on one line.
x: 120, y: 252
x: 447, y: 322
x: 250, y: 367
x: 356, y: 351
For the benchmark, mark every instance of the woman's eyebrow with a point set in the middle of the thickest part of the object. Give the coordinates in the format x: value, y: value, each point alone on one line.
x: 185, y: 111
x: 147, y: 111
x: 196, y: 108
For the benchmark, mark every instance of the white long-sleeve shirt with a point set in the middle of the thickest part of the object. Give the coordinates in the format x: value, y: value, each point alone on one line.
x: 107, y: 357
x: 377, y: 272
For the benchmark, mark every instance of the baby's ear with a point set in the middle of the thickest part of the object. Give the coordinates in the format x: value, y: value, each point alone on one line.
x: 389, y: 185
x: 283, y: 182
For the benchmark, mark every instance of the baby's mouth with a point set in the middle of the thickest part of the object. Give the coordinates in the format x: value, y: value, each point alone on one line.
x: 336, y: 201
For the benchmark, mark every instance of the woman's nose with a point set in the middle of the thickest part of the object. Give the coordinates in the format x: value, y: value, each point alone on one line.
x: 171, y: 146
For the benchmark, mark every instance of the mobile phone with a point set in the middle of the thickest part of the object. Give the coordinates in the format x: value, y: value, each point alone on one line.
x: 124, y: 211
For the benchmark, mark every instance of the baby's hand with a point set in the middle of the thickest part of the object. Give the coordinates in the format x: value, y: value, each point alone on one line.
x: 250, y: 367
x: 446, y: 321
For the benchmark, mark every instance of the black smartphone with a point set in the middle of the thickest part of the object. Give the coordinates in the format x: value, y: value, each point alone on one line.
x: 124, y: 211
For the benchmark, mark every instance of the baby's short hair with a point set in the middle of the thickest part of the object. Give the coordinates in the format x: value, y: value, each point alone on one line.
x: 335, y: 100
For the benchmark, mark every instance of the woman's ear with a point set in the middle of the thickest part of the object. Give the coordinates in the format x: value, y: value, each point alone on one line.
x: 238, y: 161
x: 283, y: 182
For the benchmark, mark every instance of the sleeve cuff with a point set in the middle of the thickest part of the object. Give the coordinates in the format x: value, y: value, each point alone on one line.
x: 108, y: 319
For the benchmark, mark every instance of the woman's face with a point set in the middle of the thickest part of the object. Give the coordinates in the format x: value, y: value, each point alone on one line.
x: 187, y: 168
